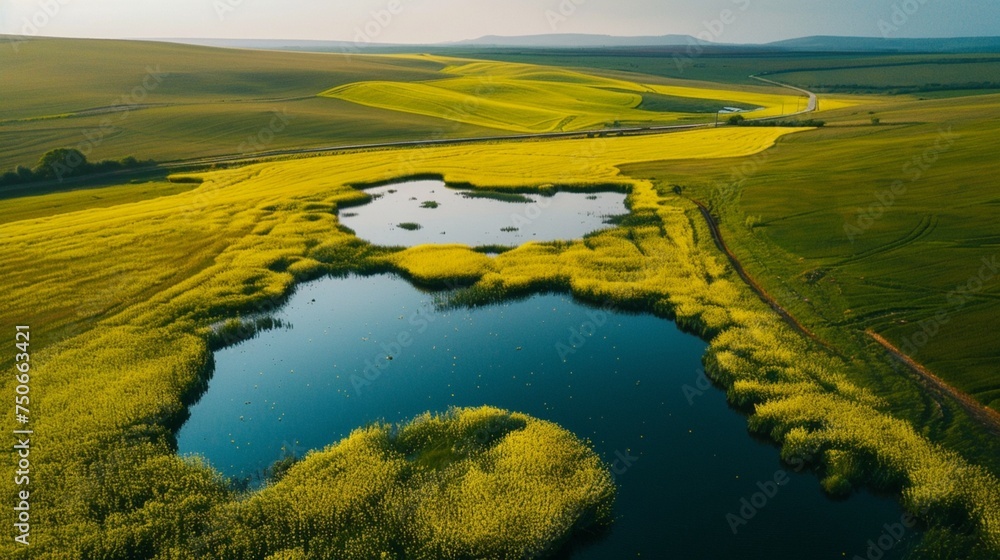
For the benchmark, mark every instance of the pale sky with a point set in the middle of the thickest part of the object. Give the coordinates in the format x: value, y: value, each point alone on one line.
x: 433, y: 21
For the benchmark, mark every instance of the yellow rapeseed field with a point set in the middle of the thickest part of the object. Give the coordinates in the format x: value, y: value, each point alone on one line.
x: 531, y: 98
x: 127, y: 299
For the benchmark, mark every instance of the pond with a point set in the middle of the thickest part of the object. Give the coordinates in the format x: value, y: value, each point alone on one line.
x: 686, y: 468
x: 428, y: 212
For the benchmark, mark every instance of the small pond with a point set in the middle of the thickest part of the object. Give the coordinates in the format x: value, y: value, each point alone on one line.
x: 422, y: 212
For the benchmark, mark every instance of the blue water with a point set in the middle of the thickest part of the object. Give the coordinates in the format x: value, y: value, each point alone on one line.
x: 476, y: 221
x: 683, y: 458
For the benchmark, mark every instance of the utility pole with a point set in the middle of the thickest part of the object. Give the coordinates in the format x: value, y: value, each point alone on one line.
x: 717, y: 119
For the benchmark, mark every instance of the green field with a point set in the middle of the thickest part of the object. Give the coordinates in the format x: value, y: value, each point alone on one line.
x: 884, y: 221
x: 902, y: 78
x: 165, y: 101
x: 853, y: 72
x: 847, y: 254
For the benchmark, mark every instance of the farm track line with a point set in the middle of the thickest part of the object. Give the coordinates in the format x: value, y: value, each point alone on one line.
x: 720, y: 243
x: 987, y: 417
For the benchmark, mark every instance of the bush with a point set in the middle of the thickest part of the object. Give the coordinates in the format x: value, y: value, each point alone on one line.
x: 61, y: 163
x: 794, y: 123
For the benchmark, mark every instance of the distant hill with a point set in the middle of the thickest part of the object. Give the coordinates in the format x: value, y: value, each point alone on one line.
x: 584, y: 41
x: 878, y: 44
x: 576, y: 40
x: 276, y: 44
x: 567, y: 40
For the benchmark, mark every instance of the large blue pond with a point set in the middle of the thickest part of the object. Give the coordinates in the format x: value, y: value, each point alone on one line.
x: 684, y: 461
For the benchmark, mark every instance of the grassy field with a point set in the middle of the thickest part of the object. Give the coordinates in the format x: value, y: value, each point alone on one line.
x: 903, y: 78
x: 132, y: 297
x: 735, y: 68
x: 165, y: 101
x: 530, y: 98
x: 845, y: 251
x: 129, y: 287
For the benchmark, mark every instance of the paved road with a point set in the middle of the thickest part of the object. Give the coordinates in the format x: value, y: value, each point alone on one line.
x: 813, y: 104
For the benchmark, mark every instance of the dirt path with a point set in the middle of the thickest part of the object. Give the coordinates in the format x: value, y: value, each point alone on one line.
x: 986, y: 416
x: 713, y: 226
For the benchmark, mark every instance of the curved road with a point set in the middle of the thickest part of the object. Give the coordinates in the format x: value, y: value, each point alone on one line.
x: 813, y: 104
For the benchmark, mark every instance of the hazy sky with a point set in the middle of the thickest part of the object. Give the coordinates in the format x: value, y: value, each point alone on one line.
x: 431, y: 21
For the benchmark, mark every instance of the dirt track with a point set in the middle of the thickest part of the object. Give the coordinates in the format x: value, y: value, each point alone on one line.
x: 757, y: 288
x: 986, y: 416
